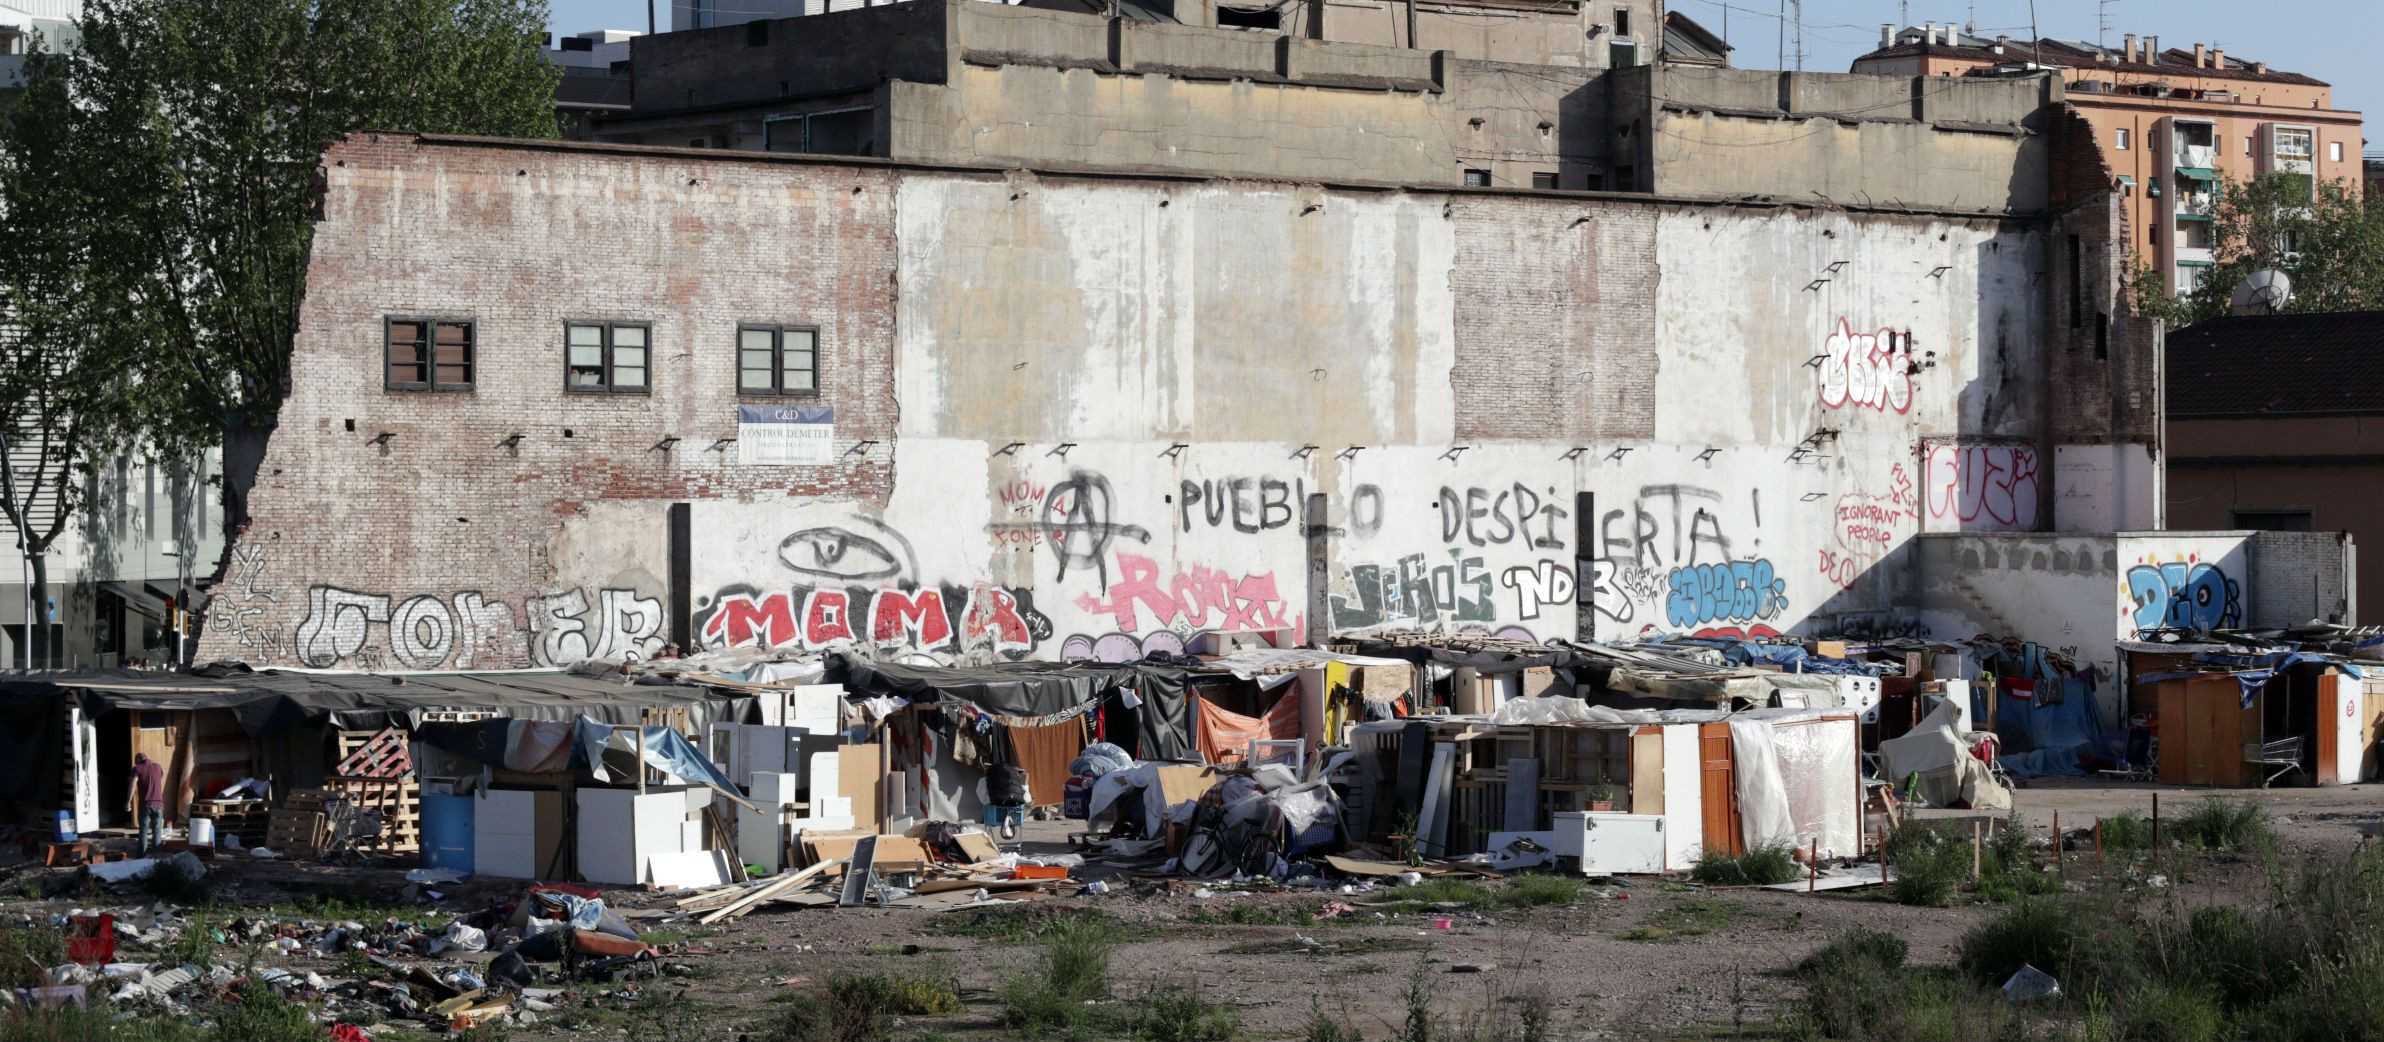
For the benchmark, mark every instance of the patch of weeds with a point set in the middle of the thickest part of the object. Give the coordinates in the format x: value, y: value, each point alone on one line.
x: 355, y: 963
x: 262, y: 1016
x: 2084, y: 943
x: 1323, y: 1028
x: 2219, y: 824
x: 26, y: 956
x: 350, y: 906
x: 2170, y: 1011
x: 75, y: 1024
x: 1017, y: 924
x: 1419, y: 1025
x: 1688, y: 917
x: 1173, y: 1012
x: 1071, y: 971
x: 29, y: 888
x: 1535, y: 890
x: 177, y: 886
x: 193, y: 946
x: 1762, y: 866
x: 1444, y: 891
x: 1860, y: 987
x: 1927, y: 865
x: 2126, y: 834
x: 1368, y: 967
x: 1328, y: 947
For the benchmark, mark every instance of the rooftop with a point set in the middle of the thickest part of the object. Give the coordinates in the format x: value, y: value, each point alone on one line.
x: 2278, y: 365
x: 2080, y: 54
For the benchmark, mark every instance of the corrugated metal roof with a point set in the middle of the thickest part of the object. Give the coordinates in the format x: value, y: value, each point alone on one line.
x: 2278, y: 365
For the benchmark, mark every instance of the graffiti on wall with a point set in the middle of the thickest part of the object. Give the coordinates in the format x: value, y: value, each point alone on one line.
x: 2191, y: 594
x: 971, y: 621
x: 1666, y: 527
x: 1867, y: 370
x: 370, y: 631
x: 1078, y: 522
x: 1865, y: 526
x: 1146, y: 597
x: 1420, y: 589
x: 1983, y: 487
x: 1735, y: 593
x: 1543, y: 584
x: 1480, y: 517
x: 242, y: 612
x: 1248, y: 505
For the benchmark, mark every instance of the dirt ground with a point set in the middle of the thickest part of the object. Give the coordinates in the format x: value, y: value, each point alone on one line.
x: 1644, y: 959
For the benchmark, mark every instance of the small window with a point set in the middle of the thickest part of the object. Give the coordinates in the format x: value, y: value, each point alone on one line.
x: 426, y: 354
x: 2120, y: 140
x: 2275, y: 520
x: 1270, y: 19
x: 2334, y: 151
x: 777, y: 360
x: 1626, y: 179
x: 605, y: 358
x: 1622, y: 21
x: 1477, y: 179
x: 1543, y: 179
x: 1597, y: 181
x: 1621, y: 54
x: 2247, y: 145
x: 2102, y: 337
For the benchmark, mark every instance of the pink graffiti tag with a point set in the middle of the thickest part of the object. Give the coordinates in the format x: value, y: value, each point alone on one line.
x: 1202, y: 598
x: 1867, y: 370
x: 1983, y: 486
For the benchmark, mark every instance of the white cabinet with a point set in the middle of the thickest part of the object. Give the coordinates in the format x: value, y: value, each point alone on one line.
x: 515, y: 833
x: 1609, y: 843
x: 619, y: 829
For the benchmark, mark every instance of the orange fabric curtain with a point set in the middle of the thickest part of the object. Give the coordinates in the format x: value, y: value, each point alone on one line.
x: 1225, y: 736
x: 1045, y: 752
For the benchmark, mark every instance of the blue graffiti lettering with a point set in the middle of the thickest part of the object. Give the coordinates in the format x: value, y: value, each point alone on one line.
x: 1738, y: 591
x: 2192, y: 595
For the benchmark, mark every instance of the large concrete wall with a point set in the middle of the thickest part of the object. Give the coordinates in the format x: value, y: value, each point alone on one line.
x: 1087, y: 415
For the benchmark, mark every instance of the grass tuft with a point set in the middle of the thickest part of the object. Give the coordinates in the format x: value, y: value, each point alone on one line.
x: 1762, y: 866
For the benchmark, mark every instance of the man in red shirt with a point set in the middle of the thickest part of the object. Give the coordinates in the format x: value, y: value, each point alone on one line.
x: 149, y: 801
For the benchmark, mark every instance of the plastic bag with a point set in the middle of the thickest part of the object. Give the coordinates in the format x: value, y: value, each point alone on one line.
x: 2030, y: 984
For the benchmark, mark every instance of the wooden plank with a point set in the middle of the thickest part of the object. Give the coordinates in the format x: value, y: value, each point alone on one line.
x: 766, y: 891
x: 1433, y: 822
x: 1647, y: 773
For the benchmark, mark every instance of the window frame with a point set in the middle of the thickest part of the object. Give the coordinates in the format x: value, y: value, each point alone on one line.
x: 2120, y: 139
x: 778, y: 332
x: 1622, y: 21
x: 605, y: 356
x: 430, y: 357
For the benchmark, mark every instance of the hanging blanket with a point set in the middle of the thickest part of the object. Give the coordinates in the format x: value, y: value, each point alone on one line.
x: 1225, y: 736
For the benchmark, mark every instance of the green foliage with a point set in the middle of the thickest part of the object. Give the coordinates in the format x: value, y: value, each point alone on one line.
x: 1323, y: 1028
x: 158, y: 187
x: 2219, y: 824
x: 1688, y: 917
x: 98, y: 1024
x: 2126, y: 834
x: 262, y: 1016
x: 1927, y: 866
x: 2330, y: 241
x: 1761, y: 866
x: 2079, y: 941
x: 171, y: 883
x: 1071, y: 970
x: 1174, y: 1012
x: 861, y: 1007
x: 1535, y: 890
x: 26, y: 955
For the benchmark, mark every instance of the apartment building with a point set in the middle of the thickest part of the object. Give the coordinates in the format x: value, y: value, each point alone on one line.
x: 2172, y: 122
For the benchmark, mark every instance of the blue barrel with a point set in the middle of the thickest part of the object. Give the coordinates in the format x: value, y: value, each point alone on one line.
x: 66, y: 829
x: 447, y: 832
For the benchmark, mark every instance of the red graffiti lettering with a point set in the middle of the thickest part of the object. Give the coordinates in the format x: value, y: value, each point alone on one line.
x: 1201, y: 598
x: 827, y: 616
x: 741, y: 620
x: 897, y: 618
x: 1990, y: 487
x: 992, y: 617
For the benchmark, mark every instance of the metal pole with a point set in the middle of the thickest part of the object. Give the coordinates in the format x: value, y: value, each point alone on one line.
x: 1411, y: 24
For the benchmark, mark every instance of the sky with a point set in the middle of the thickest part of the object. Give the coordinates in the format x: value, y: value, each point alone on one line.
x: 2321, y: 38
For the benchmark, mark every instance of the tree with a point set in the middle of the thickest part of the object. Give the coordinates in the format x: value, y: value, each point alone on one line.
x: 68, y: 341
x: 2330, y: 241
x: 158, y: 180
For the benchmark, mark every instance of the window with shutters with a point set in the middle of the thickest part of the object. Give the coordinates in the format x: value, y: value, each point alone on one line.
x: 428, y: 354
x: 605, y: 358
x: 779, y: 360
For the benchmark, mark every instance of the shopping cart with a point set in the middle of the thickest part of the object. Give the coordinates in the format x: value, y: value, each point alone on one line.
x: 2274, y: 759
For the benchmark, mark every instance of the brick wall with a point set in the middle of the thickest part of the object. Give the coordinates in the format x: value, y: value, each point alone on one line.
x: 518, y: 241
x: 1558, y: 358
x: 2105, y: 357
x: 2298, y: 577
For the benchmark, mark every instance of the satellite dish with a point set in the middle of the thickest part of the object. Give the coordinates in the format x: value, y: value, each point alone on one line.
x: 2263, y: 292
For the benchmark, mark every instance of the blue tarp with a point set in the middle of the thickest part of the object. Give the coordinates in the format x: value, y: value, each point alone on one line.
x: 2044, y: 736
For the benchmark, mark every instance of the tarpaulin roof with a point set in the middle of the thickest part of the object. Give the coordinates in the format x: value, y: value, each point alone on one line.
x: 269, y: 701
x: 1024, y: 689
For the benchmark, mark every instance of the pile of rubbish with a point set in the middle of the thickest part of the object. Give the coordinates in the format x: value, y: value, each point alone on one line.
x: 516, y: 956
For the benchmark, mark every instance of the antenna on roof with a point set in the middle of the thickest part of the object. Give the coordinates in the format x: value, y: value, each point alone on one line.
x: 2102, y: 22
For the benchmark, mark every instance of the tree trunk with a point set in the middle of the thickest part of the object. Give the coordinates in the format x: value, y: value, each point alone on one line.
x: 37, y: 625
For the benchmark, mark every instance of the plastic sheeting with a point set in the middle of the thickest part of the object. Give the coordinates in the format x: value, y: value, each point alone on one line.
x: 1950, y: 774
x: 2043, y: 736
x: 1799, y: 781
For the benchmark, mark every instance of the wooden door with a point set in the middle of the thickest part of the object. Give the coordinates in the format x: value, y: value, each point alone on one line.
x: 1722, y: 832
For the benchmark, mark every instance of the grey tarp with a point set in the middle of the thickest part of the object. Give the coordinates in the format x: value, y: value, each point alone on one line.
x: 33, y: 706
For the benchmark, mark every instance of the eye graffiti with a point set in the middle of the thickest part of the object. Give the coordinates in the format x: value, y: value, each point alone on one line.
x: 863, y: 552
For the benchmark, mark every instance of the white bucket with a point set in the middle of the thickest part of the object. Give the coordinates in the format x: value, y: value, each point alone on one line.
x: 202, y: 832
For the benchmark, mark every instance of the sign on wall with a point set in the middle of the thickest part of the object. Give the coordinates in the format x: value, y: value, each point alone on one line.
x: 782, y: 435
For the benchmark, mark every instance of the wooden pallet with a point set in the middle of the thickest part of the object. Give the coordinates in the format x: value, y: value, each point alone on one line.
x: 298, y: 827
x: 373, y: 754
x: 399, y: 802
